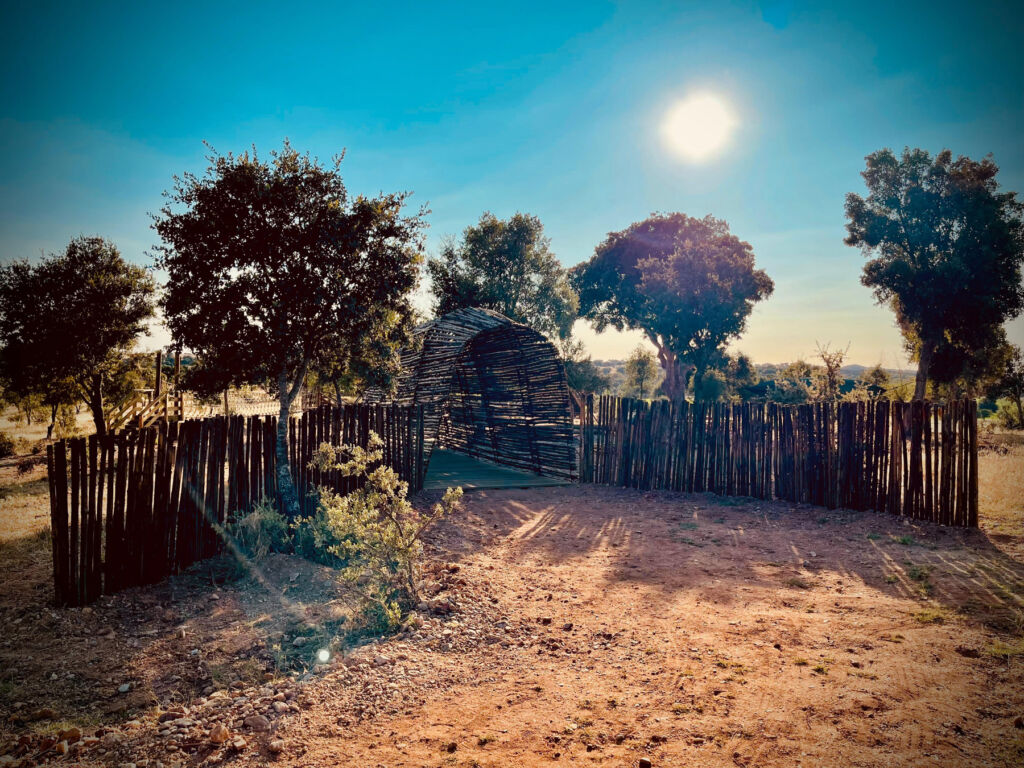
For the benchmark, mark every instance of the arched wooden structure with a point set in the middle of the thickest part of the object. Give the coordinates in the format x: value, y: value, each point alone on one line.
x: 491, y: 388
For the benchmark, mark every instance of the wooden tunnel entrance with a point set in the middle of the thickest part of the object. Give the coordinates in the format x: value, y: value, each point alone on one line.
x: 496, y: 409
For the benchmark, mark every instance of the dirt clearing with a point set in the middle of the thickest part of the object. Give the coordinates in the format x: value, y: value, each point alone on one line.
x: 575, y: 626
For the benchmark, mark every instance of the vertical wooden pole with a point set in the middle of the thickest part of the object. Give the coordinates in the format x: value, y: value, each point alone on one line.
x: 157, y: 389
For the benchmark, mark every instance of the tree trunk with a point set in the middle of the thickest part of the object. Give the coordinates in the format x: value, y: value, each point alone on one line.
x: 698, y: 375
x: 96, y: 405
x: 285, y: 486
x: 1020, y: 412
x: 923, y: 364
x: 674, y: 385
x: 337, y: 394
x: 53, y: 421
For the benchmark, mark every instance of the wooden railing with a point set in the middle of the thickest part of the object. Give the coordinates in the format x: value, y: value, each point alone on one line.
x: 144, y: 410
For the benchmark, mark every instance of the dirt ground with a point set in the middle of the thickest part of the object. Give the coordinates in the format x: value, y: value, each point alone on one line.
x: 574, y: 626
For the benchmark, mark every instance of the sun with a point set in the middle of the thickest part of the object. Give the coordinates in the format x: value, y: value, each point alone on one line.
x: 699, y: 126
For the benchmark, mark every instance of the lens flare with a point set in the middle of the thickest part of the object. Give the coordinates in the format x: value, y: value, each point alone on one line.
x: 323, y: 655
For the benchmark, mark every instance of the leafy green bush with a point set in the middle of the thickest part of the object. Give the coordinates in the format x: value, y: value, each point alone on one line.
x: 8, y: 446
x: 315, y: 540
x: 262, y: 531
x: 377, y: 532
x: 1007, y: 415
x: 66, y: 423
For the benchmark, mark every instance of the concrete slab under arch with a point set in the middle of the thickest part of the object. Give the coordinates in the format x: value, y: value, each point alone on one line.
x: 448, y: 469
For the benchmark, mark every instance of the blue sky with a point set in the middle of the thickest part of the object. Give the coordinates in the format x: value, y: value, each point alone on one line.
x: 550, y: 108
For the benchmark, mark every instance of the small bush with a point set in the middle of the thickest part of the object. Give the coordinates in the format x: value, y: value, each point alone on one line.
x: 8, y: 446
x: 314, y: 539
x: 919, y: 572
x: 262, y: 531
x: 66, y: 423
x: 28, y: 463
x: 377, y: 532
x: 1007, y: 416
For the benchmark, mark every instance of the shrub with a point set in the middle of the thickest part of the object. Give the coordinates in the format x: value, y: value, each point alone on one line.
x: 1007, y: 415
x: 262, y: 531
x: 66, y: 423
x: 8, y: 446
x: 314, y: 539
x: 377, y: 532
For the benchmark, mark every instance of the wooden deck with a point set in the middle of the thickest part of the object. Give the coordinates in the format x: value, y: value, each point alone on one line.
x: 448, y: 469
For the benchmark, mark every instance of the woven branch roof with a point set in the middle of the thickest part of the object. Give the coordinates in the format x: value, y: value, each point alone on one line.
x: 492, y: 388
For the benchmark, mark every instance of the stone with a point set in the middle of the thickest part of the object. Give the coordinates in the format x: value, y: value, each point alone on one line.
x: 71, y: 735
x: 644, y: 762
x: 299, y: 641
x: 1019, y: 722
x: 170, y: 715
x: 61, y: 748
x: 111, y: 740
x: 124, y: 687
x: 43, y: 714
x: 280, y: 707
x: 238, y: 743
x: 276, y: 747
x: 257, y: 723
x: 219, y: 734
x: 567, y: 627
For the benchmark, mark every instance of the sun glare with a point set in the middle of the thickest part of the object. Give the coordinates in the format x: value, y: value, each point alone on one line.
x: 697, y: 127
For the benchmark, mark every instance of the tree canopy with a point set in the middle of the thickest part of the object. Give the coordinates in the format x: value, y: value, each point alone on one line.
x: 580, y: 372
x: 944, y: 246
x: 641, y: 371
x: 969, y: 362
x: 275, y: 271
x: 505, y: 265
x: 1010, y: 383
x: 68, y: 325
x: 688, y: 284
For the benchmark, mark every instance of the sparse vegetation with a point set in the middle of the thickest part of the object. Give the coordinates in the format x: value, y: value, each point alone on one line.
x: 378, y: 533
x: 7, y: 445
x: 260, y: 532
x: 931, y: 615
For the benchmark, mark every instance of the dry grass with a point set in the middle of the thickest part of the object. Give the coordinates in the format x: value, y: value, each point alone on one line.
x: 24, y: 501
x: 1001, y: 491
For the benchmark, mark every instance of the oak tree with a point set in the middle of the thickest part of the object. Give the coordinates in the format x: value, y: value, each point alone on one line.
x: 944, y: 247
x: 505, y: 265
x: 689, y: 284
x: 275, y: 270
x: 68, y: 325
x: 641, y: 370
x: 1010, y: 382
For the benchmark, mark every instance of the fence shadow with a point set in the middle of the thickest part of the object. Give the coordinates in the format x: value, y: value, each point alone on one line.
x: 715, y: 545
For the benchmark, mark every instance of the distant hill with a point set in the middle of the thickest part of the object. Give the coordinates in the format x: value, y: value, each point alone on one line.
x: 852, y: 371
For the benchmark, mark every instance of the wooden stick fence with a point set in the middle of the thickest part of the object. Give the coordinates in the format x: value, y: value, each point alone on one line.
x: 916, y: 459
x: 134, y: 508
